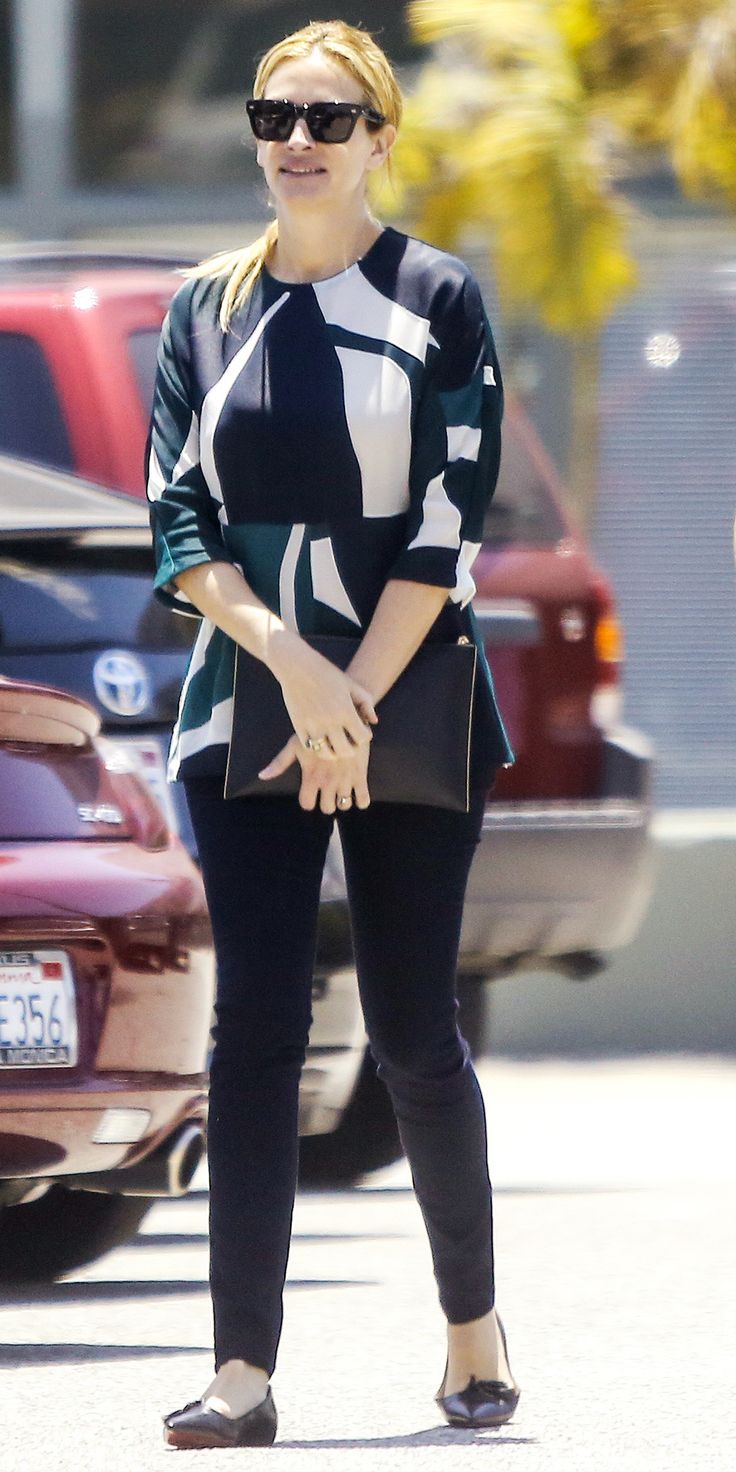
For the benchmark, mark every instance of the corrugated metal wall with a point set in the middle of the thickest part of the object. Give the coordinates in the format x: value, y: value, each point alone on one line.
x: 664, y: 524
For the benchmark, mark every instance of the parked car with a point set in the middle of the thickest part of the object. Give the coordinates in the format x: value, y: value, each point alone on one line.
x: 78, y: 336
x: 105, y: 992
x: 562, y: 876
x: 77, y: 610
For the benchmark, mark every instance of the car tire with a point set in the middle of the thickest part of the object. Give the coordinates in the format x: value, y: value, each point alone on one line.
x: 64, y: 1230
x: 367, y: 1137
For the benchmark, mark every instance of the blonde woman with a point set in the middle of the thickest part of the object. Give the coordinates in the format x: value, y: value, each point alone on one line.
x: 324, y: 442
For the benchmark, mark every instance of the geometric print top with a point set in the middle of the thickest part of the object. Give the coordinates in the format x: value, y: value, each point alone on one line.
x: 340, y: 433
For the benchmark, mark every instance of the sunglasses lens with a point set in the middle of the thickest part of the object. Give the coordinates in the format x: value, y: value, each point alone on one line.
x: 329, y: 124
x: 271, y: 120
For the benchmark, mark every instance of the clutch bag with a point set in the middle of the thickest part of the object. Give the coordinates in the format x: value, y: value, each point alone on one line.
x: 420, y: 751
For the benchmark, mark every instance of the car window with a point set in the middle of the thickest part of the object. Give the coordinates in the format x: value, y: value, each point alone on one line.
x: 31, y: 421
x: 522, y: 509
x: 42, y: 789
x: 62, y: 594
x: 143, y: 346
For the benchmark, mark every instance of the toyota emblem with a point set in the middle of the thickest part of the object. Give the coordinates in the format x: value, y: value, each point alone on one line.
x: 121, y: 683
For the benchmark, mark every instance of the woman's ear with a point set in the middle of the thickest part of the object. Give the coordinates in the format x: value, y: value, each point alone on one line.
x: 383, y: 142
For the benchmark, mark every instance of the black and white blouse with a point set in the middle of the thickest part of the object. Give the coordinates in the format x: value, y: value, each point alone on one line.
x: 341, y: 433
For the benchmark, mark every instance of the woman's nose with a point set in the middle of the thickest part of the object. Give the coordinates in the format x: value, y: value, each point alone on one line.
x: 301, y: 135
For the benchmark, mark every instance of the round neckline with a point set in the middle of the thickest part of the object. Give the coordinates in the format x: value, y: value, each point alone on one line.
x: 325, y: 280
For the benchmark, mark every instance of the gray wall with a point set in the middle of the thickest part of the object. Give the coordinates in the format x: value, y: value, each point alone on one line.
x: 666, y: 503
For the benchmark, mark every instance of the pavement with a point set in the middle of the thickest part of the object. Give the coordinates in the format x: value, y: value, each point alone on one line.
x: 615, y: 1189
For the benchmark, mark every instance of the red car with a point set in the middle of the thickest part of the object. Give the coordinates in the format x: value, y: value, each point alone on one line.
x: 106, y: 985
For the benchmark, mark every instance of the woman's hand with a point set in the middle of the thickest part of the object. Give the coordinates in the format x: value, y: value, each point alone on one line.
x: 332, y: 714
x: 334, y: 783
x: 325, y: 705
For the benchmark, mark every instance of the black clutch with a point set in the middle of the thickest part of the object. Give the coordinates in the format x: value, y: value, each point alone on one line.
x: 420, y: 752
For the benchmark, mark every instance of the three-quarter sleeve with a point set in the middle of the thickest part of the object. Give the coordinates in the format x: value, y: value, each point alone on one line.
x: 184, y: 522
x: 456, y: 446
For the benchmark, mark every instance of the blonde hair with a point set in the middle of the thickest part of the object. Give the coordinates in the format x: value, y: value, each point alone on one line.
x: 357, y: 52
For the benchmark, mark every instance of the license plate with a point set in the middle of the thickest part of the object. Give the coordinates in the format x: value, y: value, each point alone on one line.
x: 38, y: 1010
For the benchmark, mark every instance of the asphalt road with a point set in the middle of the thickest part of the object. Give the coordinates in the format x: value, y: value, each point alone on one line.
x: 615, y: 1191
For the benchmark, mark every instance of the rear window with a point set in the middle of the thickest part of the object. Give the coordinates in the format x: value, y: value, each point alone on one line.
x: 31, y: 422
x: 56, y: 792
x: 522, y: 509
x: 61, y: 595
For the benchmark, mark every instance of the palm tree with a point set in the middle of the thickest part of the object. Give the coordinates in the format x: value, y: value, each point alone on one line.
x: 521, y: 122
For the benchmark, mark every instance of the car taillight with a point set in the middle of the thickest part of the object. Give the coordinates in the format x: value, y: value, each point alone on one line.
x: 609, y: 644
x: 606, y: 703
x: 143, y: 815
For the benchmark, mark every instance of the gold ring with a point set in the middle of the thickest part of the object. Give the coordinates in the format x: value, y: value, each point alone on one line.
x: 316, y: 744
x: 343, y: 802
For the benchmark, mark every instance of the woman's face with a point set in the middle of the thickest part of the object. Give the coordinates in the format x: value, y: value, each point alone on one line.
x: 309, y: 175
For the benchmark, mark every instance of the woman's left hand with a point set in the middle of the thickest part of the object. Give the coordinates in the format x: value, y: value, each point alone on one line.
x: 337, y: 784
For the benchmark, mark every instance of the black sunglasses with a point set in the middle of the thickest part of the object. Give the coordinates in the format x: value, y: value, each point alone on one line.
x: 274, y: 119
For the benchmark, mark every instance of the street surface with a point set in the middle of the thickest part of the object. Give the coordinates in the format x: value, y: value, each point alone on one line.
x: 615, y: 1204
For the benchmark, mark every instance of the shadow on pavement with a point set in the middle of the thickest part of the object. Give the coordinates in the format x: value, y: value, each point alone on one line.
x: 97, y: 1292
x: 551, y: 1189
x: 167, y: 1239
x: 16, y: 1355
x: 435, y: 1436
x: 200, y: 1239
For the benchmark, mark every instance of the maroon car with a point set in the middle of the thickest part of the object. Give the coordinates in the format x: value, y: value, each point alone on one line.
x: 106, y: 987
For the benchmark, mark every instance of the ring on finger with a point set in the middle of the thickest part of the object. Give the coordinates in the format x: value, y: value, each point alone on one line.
x: 314, y: 743
x: 344, y: 801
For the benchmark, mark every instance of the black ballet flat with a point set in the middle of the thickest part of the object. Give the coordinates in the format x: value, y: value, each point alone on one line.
x: 197, y: 1425
x: 482, y: 1402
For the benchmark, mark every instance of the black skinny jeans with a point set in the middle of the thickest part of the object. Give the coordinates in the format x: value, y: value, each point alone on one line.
x: 407, y: 870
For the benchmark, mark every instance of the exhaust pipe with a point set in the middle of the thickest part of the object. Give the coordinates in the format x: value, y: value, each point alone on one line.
x: 168, y: 1171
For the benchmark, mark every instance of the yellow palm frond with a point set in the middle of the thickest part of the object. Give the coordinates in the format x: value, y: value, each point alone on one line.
x: 497, y: 136
x: 503, y: 35
x: 632, y: 68
x: 515, y: 120
x: 579, y: 22
x: 559, y: 235
x: 704, y: 111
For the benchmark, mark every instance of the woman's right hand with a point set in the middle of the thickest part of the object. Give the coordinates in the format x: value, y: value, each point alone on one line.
x: 334, y: 784
x: 325, y: 705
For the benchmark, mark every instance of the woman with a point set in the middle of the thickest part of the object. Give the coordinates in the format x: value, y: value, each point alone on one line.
x: 324, y: 442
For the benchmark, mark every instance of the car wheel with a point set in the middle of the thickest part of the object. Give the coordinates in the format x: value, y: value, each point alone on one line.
x: 367, y: 1136
x: 64, y: 1230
